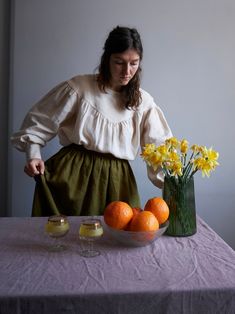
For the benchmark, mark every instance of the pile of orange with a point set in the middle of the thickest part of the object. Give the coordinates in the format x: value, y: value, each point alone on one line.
x: 120, y: 215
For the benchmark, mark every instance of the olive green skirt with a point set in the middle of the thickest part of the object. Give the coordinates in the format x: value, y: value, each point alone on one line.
x: 79, y: 182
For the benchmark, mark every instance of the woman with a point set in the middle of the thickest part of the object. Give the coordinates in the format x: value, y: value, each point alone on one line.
x: 101, y: 121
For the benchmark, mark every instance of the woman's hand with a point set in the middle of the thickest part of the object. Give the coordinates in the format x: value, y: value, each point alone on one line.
x: 34, y: 167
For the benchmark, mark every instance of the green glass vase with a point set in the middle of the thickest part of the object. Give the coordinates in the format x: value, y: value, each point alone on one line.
x: 180, y: 197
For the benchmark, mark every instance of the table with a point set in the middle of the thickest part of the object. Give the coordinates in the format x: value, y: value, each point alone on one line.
x: 174, y: 275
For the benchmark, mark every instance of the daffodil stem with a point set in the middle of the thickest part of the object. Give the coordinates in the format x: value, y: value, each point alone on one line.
x: 187, y: 172
x: 188, y: 168
x: 193, y: 172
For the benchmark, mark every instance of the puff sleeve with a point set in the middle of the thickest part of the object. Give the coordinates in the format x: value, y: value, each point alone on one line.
x: 156, y: 130
x: 43, y: 120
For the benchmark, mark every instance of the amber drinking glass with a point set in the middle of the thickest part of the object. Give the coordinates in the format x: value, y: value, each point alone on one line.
x: 57, y: 227
x: 90, y: 230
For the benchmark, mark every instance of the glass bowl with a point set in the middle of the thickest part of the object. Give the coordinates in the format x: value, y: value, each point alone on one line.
x: 134, y: 238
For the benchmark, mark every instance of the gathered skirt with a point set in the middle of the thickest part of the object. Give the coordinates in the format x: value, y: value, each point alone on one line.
x: 80, y: 182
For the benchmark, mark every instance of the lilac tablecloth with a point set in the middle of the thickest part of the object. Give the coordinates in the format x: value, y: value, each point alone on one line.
x: 174, y: 275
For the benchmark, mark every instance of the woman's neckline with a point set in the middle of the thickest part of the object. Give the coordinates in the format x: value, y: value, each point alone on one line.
x: 112, y: 91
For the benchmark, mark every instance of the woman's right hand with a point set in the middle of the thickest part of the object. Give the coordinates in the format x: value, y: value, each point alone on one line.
x: 34, y: 167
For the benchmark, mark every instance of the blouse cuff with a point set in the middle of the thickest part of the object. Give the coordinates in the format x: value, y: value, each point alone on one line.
x: 156, y: 177
x: 33, y: 151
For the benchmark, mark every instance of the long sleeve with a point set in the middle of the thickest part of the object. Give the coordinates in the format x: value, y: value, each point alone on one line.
x: 154, y: 130
x: 42, y: 122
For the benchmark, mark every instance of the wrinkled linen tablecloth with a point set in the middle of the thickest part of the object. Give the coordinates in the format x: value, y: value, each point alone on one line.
x: 173, y: 275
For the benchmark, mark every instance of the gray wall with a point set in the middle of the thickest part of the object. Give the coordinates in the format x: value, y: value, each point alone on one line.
x: 189, y: 68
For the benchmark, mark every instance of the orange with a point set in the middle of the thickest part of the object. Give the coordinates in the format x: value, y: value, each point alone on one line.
x: 159, y: 208
x: 118, y: 214
x: 144, y: 221
x: 135, y: 210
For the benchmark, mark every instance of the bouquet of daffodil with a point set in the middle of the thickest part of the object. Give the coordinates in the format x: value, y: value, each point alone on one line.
x: 180, y: 161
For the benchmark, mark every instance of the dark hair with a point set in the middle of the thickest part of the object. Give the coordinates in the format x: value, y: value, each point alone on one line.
x: 119, y: 40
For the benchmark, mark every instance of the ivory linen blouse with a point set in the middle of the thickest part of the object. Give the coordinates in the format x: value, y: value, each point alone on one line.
x: 78, y: 112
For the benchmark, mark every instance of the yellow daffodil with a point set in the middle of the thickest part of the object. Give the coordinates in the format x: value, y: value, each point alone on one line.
x: 172, y: 142
x: 163, y: 151
x: 155, y: 160
x: 195, y: 148
x: 172, y: 158
x: 204, y: 165
x: 148, y: 149
x: 211, y: 155
x: 176, y: 168
x: 184, y: 146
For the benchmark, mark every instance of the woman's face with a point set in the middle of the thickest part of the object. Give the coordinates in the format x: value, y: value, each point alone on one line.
x: 123, y: 67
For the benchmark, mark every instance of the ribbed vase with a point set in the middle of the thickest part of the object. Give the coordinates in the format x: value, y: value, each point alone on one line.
x: 180, y: 197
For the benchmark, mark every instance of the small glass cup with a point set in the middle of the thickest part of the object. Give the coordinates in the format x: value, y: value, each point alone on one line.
x: 57, y: 226
x: 90, y: 230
